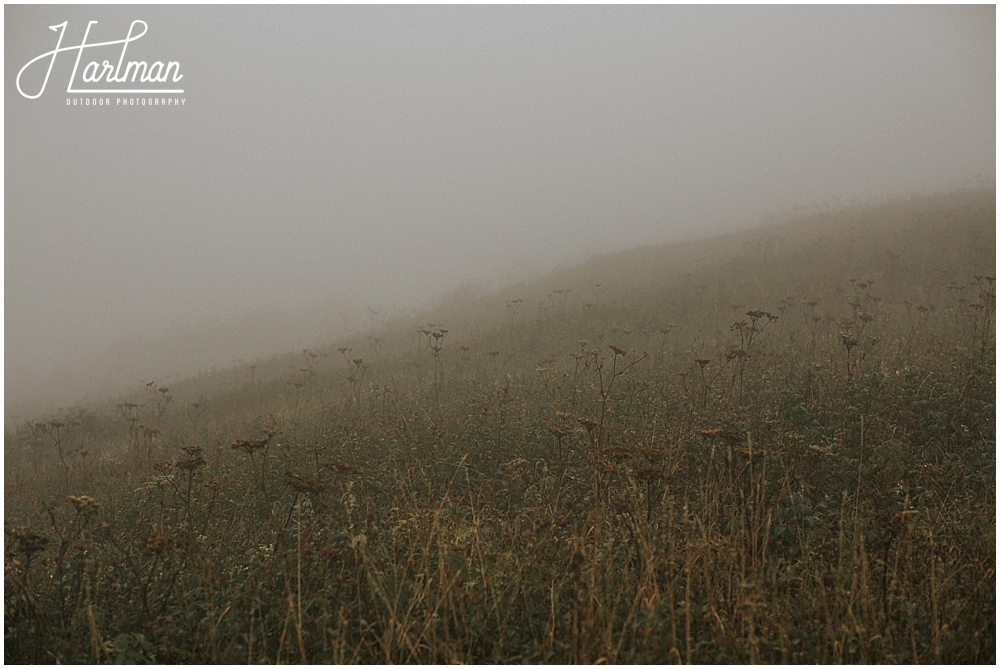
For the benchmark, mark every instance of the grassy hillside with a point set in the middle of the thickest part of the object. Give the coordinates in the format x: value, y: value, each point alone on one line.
x: 774, y: 446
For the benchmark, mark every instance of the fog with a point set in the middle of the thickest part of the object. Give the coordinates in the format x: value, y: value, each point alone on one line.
x: 328, y: 162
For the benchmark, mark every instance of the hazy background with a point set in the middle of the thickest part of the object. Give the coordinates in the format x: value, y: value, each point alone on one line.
x: 330, y: 161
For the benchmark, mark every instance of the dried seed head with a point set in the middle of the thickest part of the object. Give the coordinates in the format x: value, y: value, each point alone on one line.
x: 155, y: 544
x: 617, y: 453
x: 83, y: 503
x: 342, y: 467
x: 560, y: 430
x: 651, y: 454
x: 603, y: 465
x: 302, y: 483
x: 248, y: 445
x: 28, y: 541
x: 192, y: 464
x: 719, y: 433
x: 649, y: 474
x: 848, y: 340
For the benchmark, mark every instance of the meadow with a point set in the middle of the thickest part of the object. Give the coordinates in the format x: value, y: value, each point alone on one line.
x: 772, y: 446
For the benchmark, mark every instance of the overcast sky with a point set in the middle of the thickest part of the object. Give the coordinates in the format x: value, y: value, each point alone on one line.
x: 387, y: 154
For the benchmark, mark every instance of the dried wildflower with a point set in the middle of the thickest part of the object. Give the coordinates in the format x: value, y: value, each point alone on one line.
x: 29, y: 542
x: 651, y: 454
x: 560, y: 430
x: 342, y: 467
x: 618, y: 350
x: 588, y: 423
x: 191, y: 464
x: 649, y: 474
x: 155, y: 544
x: 163, y: 467
x: 302, y: 483
x: 719, y: 433
x: 563, y: 414
x: 848, y: 340
x: 603, y: 465
x: 249, y: 445
x: 702, y: 362
x: 192, y: 450
x: 616, y: 453
x: 83, y: 503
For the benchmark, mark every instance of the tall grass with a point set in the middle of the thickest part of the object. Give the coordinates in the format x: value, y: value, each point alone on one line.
x: 777, y: 446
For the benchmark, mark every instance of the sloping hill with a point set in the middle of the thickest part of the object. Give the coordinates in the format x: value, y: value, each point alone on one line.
x: 773, y: 446
x: 908, y: 252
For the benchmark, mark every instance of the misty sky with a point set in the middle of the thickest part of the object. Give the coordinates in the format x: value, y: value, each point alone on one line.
x: 387, y: 154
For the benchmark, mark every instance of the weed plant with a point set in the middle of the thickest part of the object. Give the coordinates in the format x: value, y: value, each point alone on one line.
x: 635, y: 479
